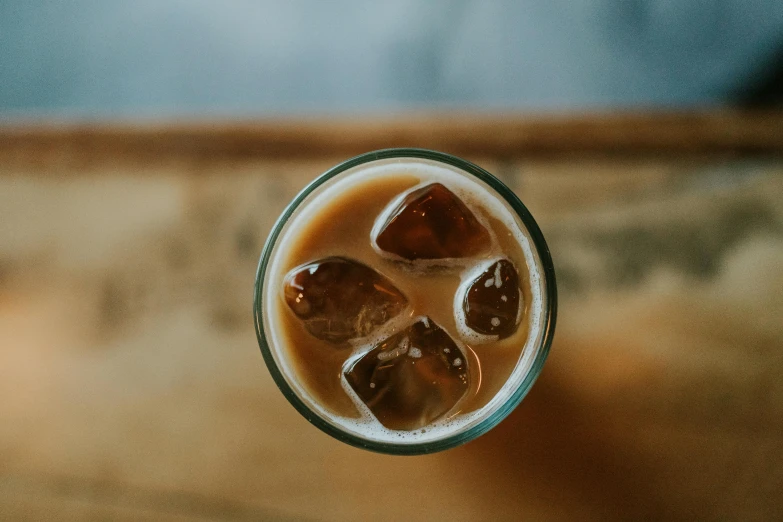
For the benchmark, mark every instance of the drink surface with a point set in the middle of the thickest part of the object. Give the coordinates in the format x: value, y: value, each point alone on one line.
x: 342, y: 220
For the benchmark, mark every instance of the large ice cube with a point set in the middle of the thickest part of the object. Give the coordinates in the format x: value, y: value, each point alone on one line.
x: 492, y: 300
x: 340, y: 299
x: 432, y: 223
x: 412, y: 378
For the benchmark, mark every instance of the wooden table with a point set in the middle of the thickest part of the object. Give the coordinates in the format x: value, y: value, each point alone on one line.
x: 133, y: 387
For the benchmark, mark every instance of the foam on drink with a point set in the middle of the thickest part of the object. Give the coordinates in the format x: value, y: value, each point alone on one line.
x: 489, y: 209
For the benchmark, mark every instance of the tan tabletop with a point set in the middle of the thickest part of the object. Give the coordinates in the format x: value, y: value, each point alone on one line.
x: 133, y: 388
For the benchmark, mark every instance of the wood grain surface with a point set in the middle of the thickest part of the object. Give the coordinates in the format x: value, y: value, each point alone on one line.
x: 133, y: 387
x: 619, y: 134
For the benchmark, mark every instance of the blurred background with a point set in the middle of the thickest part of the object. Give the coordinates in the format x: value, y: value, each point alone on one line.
x: 147, y: 147
x: 247, y: 58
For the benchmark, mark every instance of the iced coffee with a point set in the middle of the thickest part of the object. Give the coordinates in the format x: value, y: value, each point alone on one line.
x: 403, y: 301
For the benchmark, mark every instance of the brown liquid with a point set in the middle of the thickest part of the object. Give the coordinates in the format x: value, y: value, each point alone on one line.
x: 342, y: 227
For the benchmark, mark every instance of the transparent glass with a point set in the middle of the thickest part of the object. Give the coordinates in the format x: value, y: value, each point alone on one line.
x: 545, y: 332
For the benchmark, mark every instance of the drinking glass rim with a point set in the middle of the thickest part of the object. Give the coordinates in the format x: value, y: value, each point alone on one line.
x: 548, y: 320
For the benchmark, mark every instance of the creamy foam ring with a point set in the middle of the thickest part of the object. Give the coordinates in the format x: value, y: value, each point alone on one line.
x: 487, y: 206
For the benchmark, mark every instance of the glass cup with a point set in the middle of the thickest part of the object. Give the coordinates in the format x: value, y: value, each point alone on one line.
x: 532, y: 360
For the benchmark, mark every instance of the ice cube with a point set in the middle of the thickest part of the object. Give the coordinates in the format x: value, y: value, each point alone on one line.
x: 341, y: 299
x: 493, y: 299
x: 411, y: 378
x: 432, y: 223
